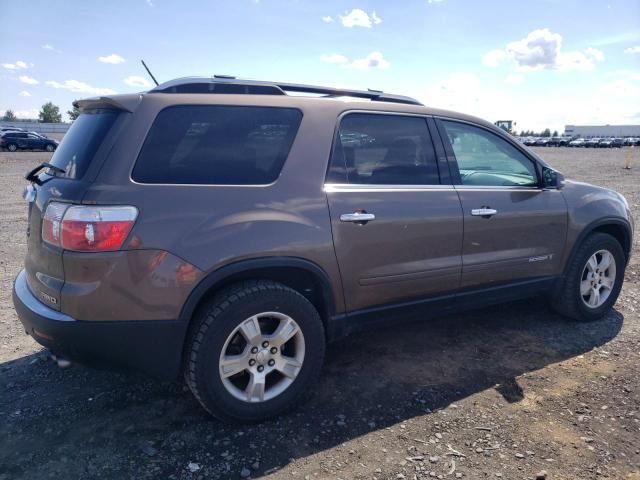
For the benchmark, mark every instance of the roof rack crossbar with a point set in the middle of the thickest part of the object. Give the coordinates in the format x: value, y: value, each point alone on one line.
x: 207, y: 84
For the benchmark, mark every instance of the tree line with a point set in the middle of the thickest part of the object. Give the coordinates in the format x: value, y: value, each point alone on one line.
x: 49, y: 113
x: 545, y: 133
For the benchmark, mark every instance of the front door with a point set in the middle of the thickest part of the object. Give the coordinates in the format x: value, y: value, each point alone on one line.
x: 513, y: 229
x: 397, y: 230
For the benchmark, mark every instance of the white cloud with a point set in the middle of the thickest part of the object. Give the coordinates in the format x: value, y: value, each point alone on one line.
x: 622, y: 88
x: 18, y: 65
x: 435, y: 1
x: 31, y: 113
x: 24, y: 93
x: 494, y: 57
x: 360, y: 18
x: 594, y: 53
x: 113, y: 59
x: 542, y: 50
x: 373, y: 60
x: 28, y: 80
x: 150, y: 3
x: 327, y: 19
x: 514, y: 78
x: 539, y: 109
x: 135, y: 81
x: 77, y: 86
x: 334, y: 58
x: 635, y: 49
x: 46, y: 46
x: 624, y: 84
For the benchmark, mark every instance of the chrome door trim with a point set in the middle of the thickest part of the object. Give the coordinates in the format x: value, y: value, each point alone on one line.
x: 358, y: 187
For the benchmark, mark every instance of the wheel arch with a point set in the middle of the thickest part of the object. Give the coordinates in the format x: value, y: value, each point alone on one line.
x: 617, y: 227
x: 304, y: 276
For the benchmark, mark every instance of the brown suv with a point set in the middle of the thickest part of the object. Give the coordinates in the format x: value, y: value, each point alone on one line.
x: 227, y: 230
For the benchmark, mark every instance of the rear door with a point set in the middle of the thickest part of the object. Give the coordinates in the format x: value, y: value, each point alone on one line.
x: 513, y: 229
x: 21, y: 140
x: 34, y: 141
x: 80, y: 153
x: 397, y: 228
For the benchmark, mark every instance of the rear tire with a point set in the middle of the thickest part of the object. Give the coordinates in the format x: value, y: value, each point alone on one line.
x: 254, y: 351
x: 12, y: 147
x: 593, y: 279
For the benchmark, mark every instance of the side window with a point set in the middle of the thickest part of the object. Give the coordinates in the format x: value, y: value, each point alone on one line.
x: 383, y: 150
x: 485, y: 159
x: 217, y: 145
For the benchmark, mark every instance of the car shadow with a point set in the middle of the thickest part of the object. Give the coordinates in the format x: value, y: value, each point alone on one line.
x: 118, y: 425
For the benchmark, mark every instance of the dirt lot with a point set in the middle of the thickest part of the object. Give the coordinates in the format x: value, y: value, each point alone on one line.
x: 507, y: 392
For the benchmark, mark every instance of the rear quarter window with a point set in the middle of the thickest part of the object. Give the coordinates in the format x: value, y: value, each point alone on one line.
x: 217, y: 145
x: 79, y: 145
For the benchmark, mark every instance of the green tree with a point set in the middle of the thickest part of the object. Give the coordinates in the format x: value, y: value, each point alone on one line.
x: 50, y: 113
x: 9, y: 116
x: 546, y: 133
x: 555, y: 133
x: 73, y: 113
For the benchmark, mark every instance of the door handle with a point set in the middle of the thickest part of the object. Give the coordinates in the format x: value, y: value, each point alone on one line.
x: 483, y: 212
x: 357, y: 217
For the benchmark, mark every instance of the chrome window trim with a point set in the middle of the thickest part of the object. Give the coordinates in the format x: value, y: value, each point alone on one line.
x: 361, y: 187
x: 517, y: 188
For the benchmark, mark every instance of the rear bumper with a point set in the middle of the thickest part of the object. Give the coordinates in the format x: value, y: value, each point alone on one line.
x: 153, y: 347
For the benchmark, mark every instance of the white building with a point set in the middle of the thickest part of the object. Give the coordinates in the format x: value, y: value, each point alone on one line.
x: 587, y: 131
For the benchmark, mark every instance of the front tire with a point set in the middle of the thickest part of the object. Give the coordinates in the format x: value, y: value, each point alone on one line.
x: 593, y: 279
x: 254, y: 351
x: 49, y: 148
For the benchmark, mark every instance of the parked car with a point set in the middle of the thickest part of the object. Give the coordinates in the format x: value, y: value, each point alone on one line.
x: 578, y: 142
x: 559, y: 141
x: 530, y: 141
x: 292, y: 238
x: 14, y: 141
x: 605, y: 143
x: 542, y: 142
x: 631, y: 141
x: 617, y: 142
x: 593, y: 142
x: 11, y: 129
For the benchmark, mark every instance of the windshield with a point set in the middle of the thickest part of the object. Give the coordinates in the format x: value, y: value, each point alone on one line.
x: 79, y: 145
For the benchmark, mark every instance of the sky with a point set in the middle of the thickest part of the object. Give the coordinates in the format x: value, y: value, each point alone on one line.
x: 543, y: 64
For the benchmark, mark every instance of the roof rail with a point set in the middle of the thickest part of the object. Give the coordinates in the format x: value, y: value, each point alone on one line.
x: 229, y: 84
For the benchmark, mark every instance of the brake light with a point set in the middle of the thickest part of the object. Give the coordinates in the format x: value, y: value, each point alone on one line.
x: 87, y: 228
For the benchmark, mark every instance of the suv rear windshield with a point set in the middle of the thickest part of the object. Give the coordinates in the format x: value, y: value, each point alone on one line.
x: 80, y: 143
x: 217, y: 145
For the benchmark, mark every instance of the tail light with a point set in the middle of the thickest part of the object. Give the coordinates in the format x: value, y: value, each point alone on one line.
x: 83, y: 228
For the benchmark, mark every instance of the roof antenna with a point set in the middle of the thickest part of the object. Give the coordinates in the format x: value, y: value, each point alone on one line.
x: 149, y: 72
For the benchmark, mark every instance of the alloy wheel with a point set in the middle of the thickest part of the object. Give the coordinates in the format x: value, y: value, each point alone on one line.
x: 262, y: 357
x: 598, y: 278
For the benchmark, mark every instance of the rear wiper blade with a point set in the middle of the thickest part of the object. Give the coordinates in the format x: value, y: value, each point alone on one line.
x: 32, y: 176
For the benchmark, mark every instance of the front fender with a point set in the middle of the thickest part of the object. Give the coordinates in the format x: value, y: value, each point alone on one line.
x: 591, y: 207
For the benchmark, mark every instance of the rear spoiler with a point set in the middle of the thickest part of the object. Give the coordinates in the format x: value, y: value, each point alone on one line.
x: 126, y: 103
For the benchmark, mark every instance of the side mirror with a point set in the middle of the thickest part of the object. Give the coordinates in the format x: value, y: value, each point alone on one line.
x: 552, y: 178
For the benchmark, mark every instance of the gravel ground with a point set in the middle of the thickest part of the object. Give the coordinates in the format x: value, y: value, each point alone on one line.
x: 507, y: 392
